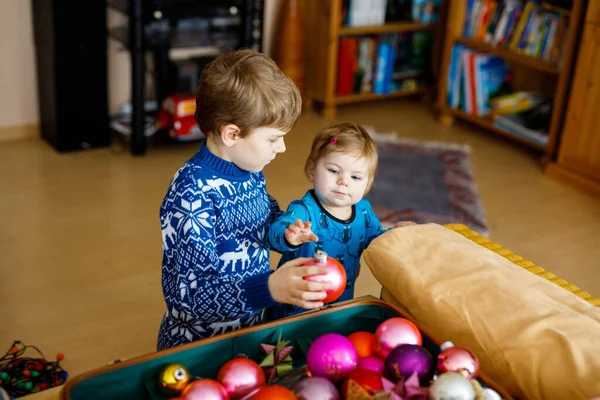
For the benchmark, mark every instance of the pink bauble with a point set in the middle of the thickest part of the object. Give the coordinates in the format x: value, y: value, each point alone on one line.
x: 458, y: 359
x: 394, y: 332
x: 204, y: 389
x: 316, y: 388
x: 372, y: 363
x: 241, y: 376
x: 331, y: 356
x: 336, y: 275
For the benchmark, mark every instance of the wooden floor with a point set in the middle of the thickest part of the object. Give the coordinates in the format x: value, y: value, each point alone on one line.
x: 80, y: 240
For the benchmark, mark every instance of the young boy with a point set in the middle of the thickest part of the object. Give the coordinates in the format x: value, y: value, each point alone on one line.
x: 216, y: 273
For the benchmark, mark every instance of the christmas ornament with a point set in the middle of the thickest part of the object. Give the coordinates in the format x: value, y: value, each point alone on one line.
x: 451, y: 385
x: 372, y: 363
x: 489, y: 394
x: 368, y: 380
x: 241, y: 376
x: 394, y: 332
x: 407, y: 359
x: 173, y: 378
x: 457, y: 359
x: 357, y: 392
x: 364, y: 342
x: 331, y: 356
x: 274, y: 392
x: 405, y: 389
x: 315, y: 388
x: 336, y: 275
x: 278, y: 361
x: 294, y: 376
x: 204, y: 389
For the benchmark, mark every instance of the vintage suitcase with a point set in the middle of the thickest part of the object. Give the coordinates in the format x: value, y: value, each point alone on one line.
x: 137, y: 378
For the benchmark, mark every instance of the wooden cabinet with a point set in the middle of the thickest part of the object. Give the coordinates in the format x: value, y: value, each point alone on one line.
x: 593, y: 13
x: 324, y: 30
x: 578, y: 159
x: 529, y: 73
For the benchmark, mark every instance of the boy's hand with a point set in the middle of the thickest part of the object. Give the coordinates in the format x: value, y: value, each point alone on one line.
x: 287, y: 284
x: 400, y: 224
x: 299, y: 233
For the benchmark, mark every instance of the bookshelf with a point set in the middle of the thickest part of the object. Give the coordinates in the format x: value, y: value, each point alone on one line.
x: 530, y: 73
x: 323, y: 31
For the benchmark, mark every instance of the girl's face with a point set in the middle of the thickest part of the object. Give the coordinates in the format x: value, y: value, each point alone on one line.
x: 340, y: 180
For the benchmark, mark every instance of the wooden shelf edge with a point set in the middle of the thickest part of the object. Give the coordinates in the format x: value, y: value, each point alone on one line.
x: 561, y: 173
x: 356, y: 98
x: 522, y: 59
x: 386, y: 28
x: 487, y: 124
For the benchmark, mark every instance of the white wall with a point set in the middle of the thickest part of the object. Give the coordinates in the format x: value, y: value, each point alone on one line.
x: 18, y: 82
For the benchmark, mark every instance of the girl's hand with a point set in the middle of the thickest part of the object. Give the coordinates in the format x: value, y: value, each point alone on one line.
x: 299, y: 233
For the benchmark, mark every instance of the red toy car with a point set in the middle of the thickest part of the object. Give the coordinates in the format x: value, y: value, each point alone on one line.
x: 176, y: 114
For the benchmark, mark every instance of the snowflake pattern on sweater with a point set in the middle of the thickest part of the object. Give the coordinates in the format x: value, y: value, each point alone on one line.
x: 216, y: 255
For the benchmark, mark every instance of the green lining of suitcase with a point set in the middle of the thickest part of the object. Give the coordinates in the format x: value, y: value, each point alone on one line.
x: 139, y: 381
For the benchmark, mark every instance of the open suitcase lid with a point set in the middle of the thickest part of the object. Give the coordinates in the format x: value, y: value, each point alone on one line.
x: 137, y: 378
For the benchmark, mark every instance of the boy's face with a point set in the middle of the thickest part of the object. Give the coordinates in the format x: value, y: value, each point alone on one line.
x: 260, y: 147
x: 340, y: 180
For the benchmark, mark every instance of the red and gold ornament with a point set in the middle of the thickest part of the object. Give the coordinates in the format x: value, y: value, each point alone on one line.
x: 367, y: 379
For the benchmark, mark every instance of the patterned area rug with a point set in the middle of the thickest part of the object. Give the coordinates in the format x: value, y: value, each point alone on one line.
x: 425, y: 182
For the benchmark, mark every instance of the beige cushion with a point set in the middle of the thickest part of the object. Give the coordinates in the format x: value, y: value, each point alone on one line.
x: 536, y: 340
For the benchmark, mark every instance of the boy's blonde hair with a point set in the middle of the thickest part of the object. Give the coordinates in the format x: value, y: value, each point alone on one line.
x: 347, y: 138
x: 245, y: 88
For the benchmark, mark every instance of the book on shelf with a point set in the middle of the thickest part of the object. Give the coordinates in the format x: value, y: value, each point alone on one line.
x: 474, y: 79
x: 379, y: 12
x: 531, y: 124
x: 536, y: 28
x: 383, y: 64
x: 479, y: 84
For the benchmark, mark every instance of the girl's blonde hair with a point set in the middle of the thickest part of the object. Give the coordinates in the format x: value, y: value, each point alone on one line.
x: 347, y: 138
x: 245, y: 88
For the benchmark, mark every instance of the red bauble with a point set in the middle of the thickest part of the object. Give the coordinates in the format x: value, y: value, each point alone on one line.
x: 393, y: 332
x: 335, y: 276
x: 204, y: 389
x: 241, y: 376
x: 364, y: 342
x: 458, y: 359
x: 274, y: 392
x: 367, y: 379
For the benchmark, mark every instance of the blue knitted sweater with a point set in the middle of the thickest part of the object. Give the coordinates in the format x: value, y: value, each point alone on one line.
x: 215, y: 267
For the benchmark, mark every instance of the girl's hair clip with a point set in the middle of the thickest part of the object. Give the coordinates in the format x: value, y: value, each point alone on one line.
x: 334, y: 139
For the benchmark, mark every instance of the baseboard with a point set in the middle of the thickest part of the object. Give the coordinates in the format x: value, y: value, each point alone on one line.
x: 19, y: 132
x: 561, y: 173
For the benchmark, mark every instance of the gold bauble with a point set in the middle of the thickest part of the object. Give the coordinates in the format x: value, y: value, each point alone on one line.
x: 173, y: 378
